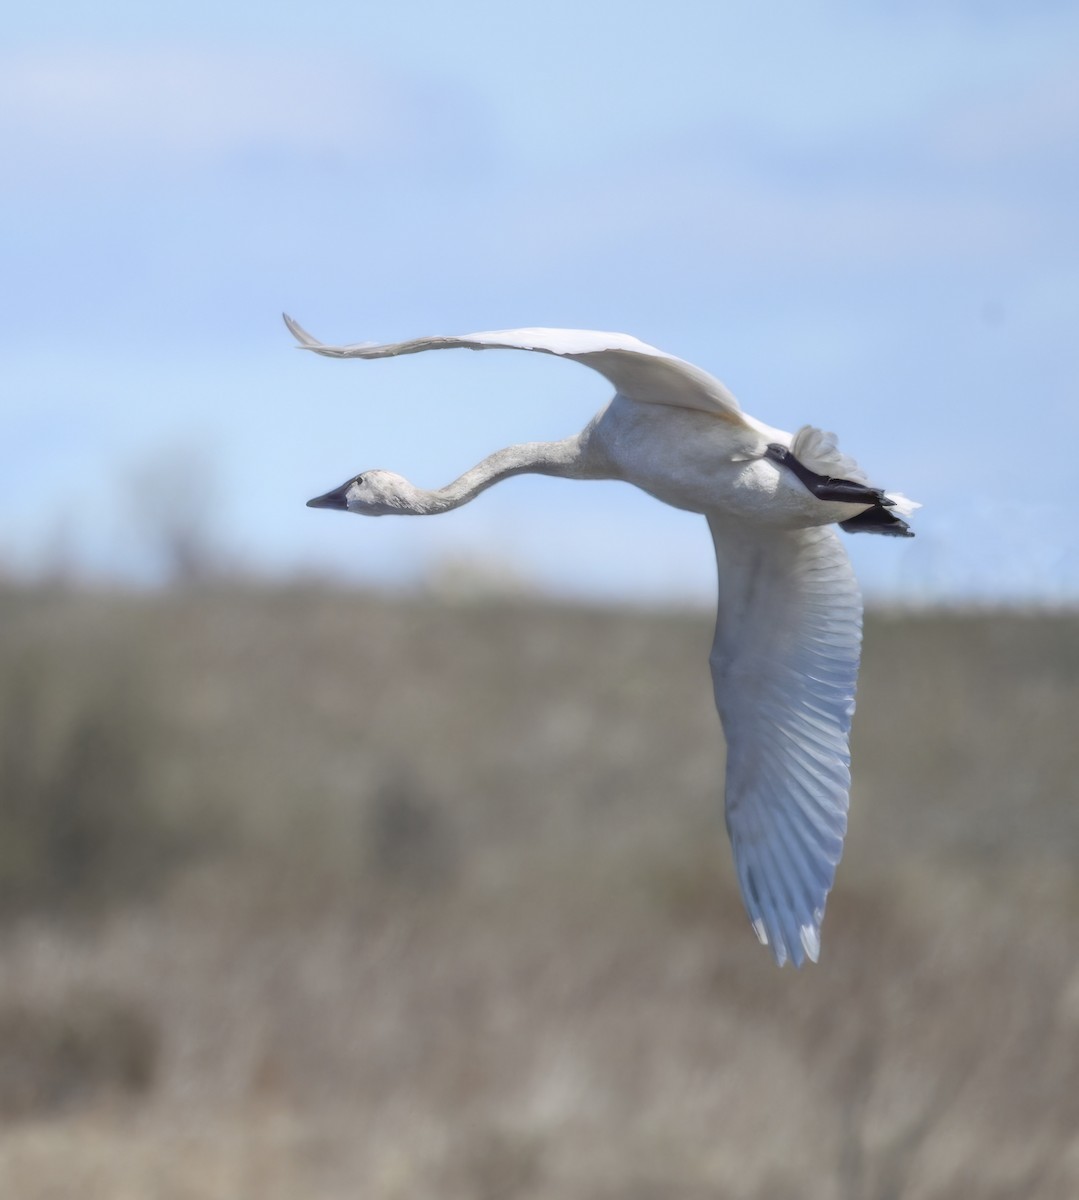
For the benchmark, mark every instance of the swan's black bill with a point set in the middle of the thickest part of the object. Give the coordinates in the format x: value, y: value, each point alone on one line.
x: 335, y: 499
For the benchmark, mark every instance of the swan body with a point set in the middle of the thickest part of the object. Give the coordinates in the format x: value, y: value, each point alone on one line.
x: 785, y: 656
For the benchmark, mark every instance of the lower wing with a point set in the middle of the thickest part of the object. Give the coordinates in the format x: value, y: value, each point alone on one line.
x: 785, y: 666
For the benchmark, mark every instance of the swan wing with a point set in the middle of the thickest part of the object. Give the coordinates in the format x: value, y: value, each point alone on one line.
x: 785, y: 665
x: 636, y: 369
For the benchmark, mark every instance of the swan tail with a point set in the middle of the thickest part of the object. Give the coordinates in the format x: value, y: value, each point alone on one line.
x: 903, y: 505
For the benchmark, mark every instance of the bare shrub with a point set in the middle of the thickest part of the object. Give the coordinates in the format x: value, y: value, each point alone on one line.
x: 407, y: 837
x: 73, y: 1051
x: 79, y: 826
x: 490, y: 1163
x: 584, y: 1013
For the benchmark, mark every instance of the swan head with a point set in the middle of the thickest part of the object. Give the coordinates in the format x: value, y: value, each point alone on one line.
x: 372, y: 494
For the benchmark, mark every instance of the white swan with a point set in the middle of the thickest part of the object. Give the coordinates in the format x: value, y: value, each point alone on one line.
x: 788, y: 632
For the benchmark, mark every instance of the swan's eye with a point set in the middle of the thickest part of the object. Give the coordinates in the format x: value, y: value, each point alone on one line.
x: 358, y: 481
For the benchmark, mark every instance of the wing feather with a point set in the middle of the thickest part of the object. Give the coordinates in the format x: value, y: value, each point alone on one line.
x: 785, y: 667
x: 636, y: 369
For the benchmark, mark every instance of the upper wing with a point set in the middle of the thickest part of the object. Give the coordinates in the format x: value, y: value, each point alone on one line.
x: 785, y: 667
x: 636, y: 369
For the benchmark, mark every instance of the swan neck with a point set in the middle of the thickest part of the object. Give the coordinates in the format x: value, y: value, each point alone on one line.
x: 527, y: 458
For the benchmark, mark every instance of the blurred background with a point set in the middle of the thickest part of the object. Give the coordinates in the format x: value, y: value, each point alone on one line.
x: 349, y: 858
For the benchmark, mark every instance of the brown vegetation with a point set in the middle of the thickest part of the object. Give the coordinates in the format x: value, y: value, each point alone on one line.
x: 330, y: 895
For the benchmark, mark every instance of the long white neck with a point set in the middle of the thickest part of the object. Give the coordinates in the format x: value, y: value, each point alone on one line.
x: 563, y: 458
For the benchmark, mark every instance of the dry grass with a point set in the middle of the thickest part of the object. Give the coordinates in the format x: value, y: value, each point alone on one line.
x: 452, y: 914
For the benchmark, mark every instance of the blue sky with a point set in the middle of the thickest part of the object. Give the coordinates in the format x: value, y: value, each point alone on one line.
x: 858, y: 216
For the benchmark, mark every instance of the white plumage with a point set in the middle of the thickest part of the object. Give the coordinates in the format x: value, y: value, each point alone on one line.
x: 788, y: 631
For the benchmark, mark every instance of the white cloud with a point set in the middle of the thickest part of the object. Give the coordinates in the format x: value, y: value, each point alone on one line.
x: 672, y: 222
x: 185, y: 108
x: 1005, y: 130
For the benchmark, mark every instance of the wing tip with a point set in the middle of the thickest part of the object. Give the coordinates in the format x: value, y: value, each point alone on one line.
x: 810, y: 938
x: 792, y: 936
x: 784, y: 950
x: 806, y: 949
x: 307, y: 342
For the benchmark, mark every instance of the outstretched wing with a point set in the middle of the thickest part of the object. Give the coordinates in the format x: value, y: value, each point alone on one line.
x: 785, y: 666
x: 636, y: 369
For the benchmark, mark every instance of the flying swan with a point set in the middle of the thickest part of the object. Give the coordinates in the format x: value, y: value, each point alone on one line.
x: 789, y: 627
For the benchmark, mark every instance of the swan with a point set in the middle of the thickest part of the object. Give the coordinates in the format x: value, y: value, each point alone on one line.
x: 788, y: 633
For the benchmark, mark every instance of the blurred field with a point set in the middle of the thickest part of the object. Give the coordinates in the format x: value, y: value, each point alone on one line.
x: 318, y: 894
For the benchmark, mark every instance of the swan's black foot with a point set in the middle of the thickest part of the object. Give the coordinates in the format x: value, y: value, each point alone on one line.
x: 876, y: 519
